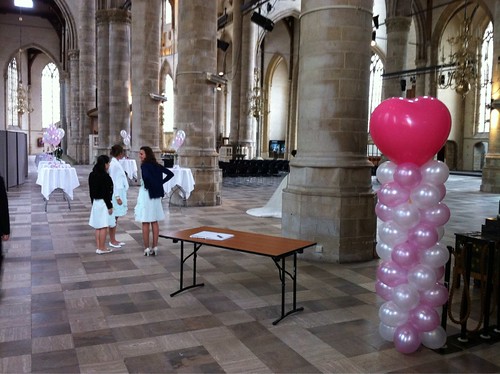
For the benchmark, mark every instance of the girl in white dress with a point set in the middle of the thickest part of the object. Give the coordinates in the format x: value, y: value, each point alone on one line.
x: 149, y: 209
x: 101, y: 192
x: 120, y: 188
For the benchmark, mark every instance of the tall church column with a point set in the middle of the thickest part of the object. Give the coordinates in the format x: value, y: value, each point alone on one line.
x: 103, y: 119
x: 398, y: 29
x: 329, y: 198
x: 491, y: 170
x: 234, y: 135
x: 73, y: 134
x: 87, y: 74
x: 119, y: 75
x: 247, y: 122
x: 195, y: 99
x: 114, y: 76
x: 145, y: 60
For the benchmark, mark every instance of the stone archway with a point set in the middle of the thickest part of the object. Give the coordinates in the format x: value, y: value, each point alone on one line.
x: 479, y: 155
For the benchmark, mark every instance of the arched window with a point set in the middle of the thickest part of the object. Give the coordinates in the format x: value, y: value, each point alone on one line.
x: 11, y: 86
x: 376, y: 71
x: 483, y: 123
x: 168, y: 106
x: 51, y: 105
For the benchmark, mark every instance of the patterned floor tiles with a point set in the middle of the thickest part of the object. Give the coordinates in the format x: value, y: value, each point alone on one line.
x: 65, y: 309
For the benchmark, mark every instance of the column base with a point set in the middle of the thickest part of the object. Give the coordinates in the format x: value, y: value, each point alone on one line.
x: 491, y: 174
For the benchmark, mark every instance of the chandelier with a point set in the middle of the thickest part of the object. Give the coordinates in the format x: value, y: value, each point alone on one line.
x: 462, y: 64
x: 255, y: 100
x: 23, y: 93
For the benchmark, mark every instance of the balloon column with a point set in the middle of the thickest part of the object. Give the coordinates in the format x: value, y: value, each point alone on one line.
x: 410, y: 133
x: 178, y: 140
x: 125, y: 137
x: 53, y: 135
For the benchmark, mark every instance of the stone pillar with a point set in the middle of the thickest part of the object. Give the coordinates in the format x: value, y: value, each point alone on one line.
x: 119, y: 75
x: 73, y: 132
x: 247, y: 135
x: 329, y: 198
x: 145, y: 57
x: 103, y: 119
x: 398, y: 29
x: 87, y: 75
x: 195, y: 99
x: 491, y: 170
x: 114, y: 76
x: 234, y: 135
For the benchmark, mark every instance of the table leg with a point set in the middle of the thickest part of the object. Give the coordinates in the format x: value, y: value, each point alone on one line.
x: 485, y: 333
x: 282, y: 274
x: 183, y: 260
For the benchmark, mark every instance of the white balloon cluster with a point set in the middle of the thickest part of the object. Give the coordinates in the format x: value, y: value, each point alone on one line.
x: 178, y: 140
x: 126, y: 137
x: 410, y: 275
x: 53, y: 135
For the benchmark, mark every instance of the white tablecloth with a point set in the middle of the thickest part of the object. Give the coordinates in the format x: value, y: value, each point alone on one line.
x: 182, y: 178
x: 51, y: 178
x: 53, y: 163
x: 130, y: 167
x: 43, y: 157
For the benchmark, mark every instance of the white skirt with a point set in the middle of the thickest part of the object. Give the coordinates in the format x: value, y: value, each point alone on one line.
x: 99, y: 215
x: 120, y: 210
x: 147, y: 209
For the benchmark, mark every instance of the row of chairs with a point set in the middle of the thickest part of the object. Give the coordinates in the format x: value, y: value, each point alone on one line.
x: 254, y: 168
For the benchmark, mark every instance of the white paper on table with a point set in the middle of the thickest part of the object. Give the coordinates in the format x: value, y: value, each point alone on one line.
x: 210, y: 235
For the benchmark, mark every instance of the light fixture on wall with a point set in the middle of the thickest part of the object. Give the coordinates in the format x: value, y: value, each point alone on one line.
x: 158, y: 97
x: 255, y: 100
x: 213, y: 78
x: 23, y: 93
x: 262, y: 21
x: 462, y: 64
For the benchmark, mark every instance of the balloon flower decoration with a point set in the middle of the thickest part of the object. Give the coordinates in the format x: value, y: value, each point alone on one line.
x: 178, y: 140
x: 409, y: 277
x: 53, y: 135
x: 125, y: 137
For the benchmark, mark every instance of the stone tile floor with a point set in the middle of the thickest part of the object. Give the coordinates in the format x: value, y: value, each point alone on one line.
x: 65, y: 309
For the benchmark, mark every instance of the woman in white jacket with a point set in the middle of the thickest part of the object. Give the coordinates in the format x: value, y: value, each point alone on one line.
x: 120, y: 188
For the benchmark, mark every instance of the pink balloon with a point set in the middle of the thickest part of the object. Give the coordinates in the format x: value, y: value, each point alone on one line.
x: 406, y: 339
x: 383, y: 290
x: 383, y: 212
x: 405, y: 254
x: 391, y: 274
x: 410, y: 130
x: 435, y: 296
x: 442, y: 191
x: 392, y: 194
x: 436, y: 215
x: 423, y: 235
x: 439, y: 272
x: 407, y: 175
x: 424, y: 318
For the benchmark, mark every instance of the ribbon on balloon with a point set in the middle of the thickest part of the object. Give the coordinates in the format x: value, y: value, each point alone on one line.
x: 125, y: 137
x: 409, y: 277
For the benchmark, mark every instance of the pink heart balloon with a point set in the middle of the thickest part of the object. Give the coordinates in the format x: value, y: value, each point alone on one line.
x: 408, y: 130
